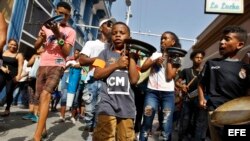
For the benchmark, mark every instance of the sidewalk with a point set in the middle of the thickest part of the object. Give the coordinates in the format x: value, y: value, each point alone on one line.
x: 14, y: 128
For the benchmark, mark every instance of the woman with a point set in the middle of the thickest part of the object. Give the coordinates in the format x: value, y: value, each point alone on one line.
x: 10, y: 72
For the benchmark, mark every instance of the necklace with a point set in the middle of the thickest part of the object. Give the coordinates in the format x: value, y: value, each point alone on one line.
x: 192, y: 71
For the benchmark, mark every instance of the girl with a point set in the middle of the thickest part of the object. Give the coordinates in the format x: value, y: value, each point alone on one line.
x: 160, y: 91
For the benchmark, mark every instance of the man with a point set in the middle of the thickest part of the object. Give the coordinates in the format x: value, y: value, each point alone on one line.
x: 57, y: 39
x: 88, y: 55
x: 192, y: 120
x: 3, y: 31
x: 224, y: 78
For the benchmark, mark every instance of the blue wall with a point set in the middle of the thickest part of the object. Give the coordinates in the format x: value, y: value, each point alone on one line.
x: 17, y: 19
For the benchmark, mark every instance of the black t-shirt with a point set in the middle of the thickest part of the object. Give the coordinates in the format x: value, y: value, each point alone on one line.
x: 224, y: 80
x: 188, y: 74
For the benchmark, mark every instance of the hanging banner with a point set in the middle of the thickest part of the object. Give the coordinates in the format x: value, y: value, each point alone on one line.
x: 224, y: 6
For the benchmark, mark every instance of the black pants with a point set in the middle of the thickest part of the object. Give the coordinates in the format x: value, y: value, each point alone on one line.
x: 10, y: 84
x: 139, y: 92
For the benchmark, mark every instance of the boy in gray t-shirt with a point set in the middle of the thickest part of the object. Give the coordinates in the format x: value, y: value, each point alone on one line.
x: 116, y: 109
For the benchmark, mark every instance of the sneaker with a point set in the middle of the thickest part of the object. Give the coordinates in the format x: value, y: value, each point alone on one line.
x: 136, y: 136
x: 34, y: 119
x: 28, y: 116
x: 60, y: 120
x: 73, y: 120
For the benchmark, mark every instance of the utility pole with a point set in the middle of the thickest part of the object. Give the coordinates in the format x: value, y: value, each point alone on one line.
x: 128, y: 13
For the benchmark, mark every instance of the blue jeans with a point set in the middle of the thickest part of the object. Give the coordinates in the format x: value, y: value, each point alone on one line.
x: 63, y: 90
x: 90, y: 98
x: 153, y: 100
x: 78, y: 96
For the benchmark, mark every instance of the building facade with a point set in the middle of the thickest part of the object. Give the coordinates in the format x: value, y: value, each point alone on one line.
x: 209, y: 39
x: 25, y: 18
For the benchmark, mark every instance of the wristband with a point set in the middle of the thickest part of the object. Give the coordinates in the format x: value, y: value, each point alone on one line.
x: 60, y: 42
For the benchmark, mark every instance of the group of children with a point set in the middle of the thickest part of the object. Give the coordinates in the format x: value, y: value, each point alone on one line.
x: 115, y: 70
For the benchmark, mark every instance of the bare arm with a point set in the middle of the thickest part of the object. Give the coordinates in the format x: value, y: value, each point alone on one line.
x: 179, y: 84
x: 171, y: 71
x: 3, y: 31
x: 85, y: 60
x: 101, y: 73
x: 40, y: 39
x: 32, y: 60
x: 66, y: 49
x: 147, y: 64
x: 202, y: 100
x: 133, y: 72
x: 20, y: 60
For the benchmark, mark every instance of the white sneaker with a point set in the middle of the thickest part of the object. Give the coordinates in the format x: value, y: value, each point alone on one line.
x: 73, y: 120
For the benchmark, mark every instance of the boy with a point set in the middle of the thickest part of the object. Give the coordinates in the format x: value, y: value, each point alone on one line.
x: 192, y: 117
x: 88, y: 54
x: 116, y: 109
x: 57, y: 40
x: 224, y: 78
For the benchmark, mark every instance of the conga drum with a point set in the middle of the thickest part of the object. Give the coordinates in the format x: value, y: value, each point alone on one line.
x: 233, y: 112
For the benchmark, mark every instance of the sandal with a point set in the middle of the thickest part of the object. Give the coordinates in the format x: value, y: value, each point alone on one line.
x: 44, y: 135
x: 5, y: 114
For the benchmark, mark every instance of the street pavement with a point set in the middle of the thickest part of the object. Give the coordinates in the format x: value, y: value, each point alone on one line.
x: 14, y: 128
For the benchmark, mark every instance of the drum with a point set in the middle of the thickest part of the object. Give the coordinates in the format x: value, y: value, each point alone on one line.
x: 176, y: 52
x: 141, y: 46
x: 233, y: 112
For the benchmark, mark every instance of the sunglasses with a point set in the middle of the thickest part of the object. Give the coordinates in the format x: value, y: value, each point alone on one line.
x: 109, y: 24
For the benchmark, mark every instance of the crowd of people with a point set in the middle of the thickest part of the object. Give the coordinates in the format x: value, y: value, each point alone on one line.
x: 99, y: 83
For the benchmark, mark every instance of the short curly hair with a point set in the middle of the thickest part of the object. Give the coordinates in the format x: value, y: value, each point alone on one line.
x: 195, y: 52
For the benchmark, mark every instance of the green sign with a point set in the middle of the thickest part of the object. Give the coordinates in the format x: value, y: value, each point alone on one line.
x: 224, y: 6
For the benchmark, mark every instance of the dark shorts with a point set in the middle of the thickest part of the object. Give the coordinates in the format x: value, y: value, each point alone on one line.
x: 48, y: 78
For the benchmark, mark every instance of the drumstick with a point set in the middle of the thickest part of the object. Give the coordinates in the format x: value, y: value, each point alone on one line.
x: 124, y: 50
x: 191, y: 81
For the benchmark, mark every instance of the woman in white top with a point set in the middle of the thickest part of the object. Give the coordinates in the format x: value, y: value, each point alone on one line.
x: 161, y: 85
